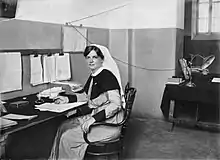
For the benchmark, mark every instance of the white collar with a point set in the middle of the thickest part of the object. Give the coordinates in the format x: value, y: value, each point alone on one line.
x: 98, y: 71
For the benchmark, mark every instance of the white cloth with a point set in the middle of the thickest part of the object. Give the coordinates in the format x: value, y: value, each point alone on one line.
x: 111, y: 65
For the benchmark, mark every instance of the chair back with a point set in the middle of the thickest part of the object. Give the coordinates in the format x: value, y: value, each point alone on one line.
x: 130, y: 94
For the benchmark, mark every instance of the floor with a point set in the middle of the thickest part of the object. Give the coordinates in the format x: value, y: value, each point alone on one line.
x: 151, y: 139
x: 147, y: 138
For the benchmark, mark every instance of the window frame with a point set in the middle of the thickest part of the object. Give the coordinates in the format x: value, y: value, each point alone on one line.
x: 195, y: 35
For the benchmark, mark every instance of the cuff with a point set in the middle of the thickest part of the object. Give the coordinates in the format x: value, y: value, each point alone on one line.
x: 84, y: 110
x: 100, y: 116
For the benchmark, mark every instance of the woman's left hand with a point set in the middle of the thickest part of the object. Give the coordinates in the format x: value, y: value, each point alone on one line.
x: 85, y: 126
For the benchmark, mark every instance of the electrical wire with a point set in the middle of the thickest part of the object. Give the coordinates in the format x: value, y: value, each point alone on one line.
x: 94, y: 15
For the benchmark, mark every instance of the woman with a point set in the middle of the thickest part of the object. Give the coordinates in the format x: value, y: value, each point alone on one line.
x: 104, y: 95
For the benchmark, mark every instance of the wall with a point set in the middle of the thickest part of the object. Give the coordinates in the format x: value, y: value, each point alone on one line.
x: 203, y: 47
x: 151, y: 47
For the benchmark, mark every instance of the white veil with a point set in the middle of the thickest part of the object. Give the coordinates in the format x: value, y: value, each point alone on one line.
x: 110, y: 65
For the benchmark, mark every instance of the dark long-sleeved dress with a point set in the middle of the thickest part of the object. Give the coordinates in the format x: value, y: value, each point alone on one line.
x: 104, y: 104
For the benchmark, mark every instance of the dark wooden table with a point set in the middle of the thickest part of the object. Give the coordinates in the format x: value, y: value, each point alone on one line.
x: 197, y: 105
x: 31, y: 139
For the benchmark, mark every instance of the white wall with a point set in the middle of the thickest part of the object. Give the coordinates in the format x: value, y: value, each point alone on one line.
x: 130, y: 14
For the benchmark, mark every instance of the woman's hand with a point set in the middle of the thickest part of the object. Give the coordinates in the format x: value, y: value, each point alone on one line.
x: 61, y: 100
x: 85, y: 126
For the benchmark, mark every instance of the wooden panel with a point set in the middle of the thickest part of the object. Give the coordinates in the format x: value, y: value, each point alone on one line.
x: 98, y: 36
x: 20, y: 35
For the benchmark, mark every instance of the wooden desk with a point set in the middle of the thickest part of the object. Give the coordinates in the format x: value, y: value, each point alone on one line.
x: 42, y: 128
x: 195, y: 105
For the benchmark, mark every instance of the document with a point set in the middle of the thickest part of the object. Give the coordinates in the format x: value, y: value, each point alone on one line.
x: 19, y: 117
x: 36, y: 70
x: 63, y: 71
x: 49, y: 73
x: 10, y: 72
x: 5, y: 123
x: 58, y: 107
x: 216, y: 80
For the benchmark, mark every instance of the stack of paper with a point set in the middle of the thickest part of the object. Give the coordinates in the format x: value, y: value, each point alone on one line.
x: 58, y: 107
x: 19, y: 117
x: 74, y: 86
x: 216, y: 80
x: 5, y: 123
x: 174, y: 81
x: 51, y: 92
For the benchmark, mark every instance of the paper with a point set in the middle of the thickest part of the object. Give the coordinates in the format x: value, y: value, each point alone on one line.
x: 216, y: 80
x: 51, y: 92
x: 63, y: 67
x: 36, y: 70
x: 74, y: 86
x: 58, y: 107
x: 49, y: 68
x: 5, y: 123
x: 10, y: 72
x: 74, y: 39
x: 19, y: 117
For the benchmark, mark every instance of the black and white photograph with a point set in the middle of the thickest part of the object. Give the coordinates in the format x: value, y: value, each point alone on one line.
x: 109, y: 79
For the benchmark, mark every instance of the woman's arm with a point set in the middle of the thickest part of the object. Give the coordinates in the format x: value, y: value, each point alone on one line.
x: 112, y: 107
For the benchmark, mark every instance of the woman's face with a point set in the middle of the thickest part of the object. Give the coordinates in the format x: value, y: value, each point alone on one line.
x: 94, y: 61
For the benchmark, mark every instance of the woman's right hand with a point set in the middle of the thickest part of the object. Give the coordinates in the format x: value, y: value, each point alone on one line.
x: 61, y: 100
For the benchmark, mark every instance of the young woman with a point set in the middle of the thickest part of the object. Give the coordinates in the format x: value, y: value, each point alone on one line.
x: 104, y: 94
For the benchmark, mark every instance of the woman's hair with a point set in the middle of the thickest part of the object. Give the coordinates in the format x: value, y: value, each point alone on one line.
x: 88, y: 49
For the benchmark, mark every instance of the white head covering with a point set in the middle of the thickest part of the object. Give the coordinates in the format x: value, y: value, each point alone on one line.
x: 110, y: 65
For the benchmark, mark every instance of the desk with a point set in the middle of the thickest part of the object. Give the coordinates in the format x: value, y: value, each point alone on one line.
x: 44, y: 125
x: 197, y: 105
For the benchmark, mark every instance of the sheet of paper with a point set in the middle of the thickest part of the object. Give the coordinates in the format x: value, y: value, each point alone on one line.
x: 216, y: 80
x: 19, y: 116
x: 49, y: 68
x: 74, y: 86
x: 63, y: 67
x: 5, y: 123
x: 51, y: 92
x: 10, y: 72
x: 74, y: 39
x: 36, y: 70
x: 58, y: 107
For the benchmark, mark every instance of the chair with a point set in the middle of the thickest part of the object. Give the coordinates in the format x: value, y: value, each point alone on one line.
x: 113, y: 147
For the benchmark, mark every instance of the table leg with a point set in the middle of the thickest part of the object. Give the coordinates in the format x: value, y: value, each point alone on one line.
x: 3, y: 140
x: 171, y: 113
